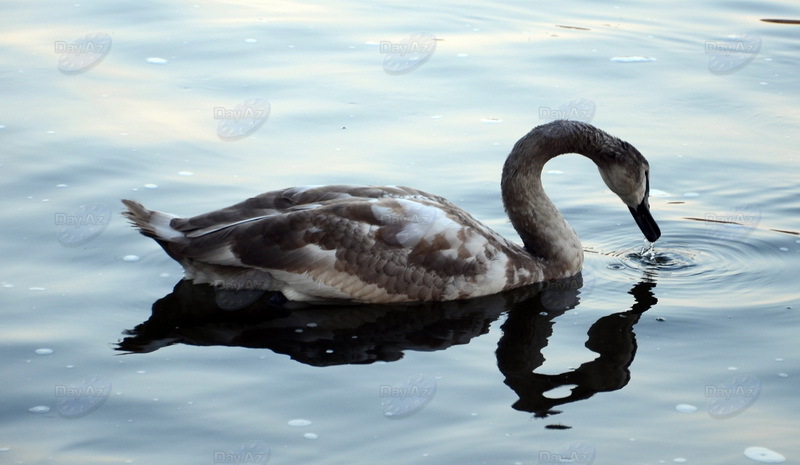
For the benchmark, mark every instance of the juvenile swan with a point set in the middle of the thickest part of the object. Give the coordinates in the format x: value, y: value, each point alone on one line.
x: 397, y: 244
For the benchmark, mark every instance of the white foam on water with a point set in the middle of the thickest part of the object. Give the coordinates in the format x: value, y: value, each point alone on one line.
x: 299, y: 422
x: 685, y: 408
x: 763, y: 455
x: 632, y: 59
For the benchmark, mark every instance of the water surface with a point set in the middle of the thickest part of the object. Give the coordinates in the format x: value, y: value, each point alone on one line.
x: 687, y: 356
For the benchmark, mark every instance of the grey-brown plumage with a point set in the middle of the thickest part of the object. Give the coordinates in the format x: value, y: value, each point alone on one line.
x: 397, y: 244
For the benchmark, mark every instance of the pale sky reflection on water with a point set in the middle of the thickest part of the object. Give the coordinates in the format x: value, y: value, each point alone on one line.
x: 140, y: 123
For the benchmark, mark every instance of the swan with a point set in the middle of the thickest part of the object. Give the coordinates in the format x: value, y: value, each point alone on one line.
x: 370, y: 244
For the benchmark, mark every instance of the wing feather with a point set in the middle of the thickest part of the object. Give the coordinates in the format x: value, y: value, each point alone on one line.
x: 370, y: 244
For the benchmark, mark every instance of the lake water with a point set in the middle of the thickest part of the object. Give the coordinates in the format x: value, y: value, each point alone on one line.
x: 690, y: 356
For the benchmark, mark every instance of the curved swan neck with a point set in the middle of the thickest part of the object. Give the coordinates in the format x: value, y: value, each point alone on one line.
x: 541, y: 227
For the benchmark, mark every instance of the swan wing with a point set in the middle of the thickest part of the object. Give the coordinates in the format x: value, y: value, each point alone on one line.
x: 367, y: 244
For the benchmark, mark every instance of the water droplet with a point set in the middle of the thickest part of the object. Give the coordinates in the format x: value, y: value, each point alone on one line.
x: 310, y: 436
x: 156, y: 60
x: 39, y: 409
x: 185, y: 173
x: 151, y: 186
x: 131, y: 258
x: 648, y: 251
x: 43, y: 351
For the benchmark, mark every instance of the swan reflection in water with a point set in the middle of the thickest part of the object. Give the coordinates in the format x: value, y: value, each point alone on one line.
x: 202, y: 315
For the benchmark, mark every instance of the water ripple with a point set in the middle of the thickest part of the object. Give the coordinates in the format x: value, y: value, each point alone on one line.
x: 692, y: 256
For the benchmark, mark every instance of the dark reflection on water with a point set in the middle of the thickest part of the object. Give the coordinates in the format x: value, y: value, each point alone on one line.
x: 525, y: 335
x: 316, y: 335
x: 336, y: 335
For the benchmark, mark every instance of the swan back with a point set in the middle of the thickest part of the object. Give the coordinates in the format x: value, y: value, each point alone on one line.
x: 347, y: 243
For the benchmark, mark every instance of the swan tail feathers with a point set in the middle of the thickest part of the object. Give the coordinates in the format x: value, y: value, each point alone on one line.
x: 150, y: 223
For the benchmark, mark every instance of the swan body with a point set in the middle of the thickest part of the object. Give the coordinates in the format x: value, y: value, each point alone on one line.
x: 397, y: 244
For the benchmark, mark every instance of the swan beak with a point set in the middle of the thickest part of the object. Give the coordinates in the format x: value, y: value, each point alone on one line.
x: 645, y: 220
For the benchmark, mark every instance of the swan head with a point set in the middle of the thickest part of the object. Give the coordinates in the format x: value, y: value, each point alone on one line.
x: 627, y: 173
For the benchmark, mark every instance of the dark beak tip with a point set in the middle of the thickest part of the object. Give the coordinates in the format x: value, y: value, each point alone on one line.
x: 645, y: 221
